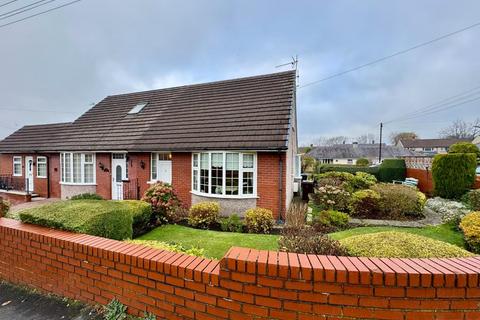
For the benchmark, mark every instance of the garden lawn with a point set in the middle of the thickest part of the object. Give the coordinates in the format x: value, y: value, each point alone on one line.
x: 444, y: 232
x: 215, y: 243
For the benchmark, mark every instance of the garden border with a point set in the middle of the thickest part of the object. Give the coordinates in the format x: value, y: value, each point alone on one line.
x: 245, y: 284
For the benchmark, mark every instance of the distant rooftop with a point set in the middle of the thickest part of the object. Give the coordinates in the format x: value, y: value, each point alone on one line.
x: 431, y: 143
x: 355, y: 151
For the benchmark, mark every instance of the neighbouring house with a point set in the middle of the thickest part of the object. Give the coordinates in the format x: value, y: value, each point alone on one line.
x: 232, y: 141
x: 429, y: 146
x: 350, y: 153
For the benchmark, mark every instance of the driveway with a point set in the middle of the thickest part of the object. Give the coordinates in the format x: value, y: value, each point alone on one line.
x: 22, y: 304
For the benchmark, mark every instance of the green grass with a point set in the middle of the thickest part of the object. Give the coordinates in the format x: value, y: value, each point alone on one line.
x: 215, y: 243
x: 444, y: 232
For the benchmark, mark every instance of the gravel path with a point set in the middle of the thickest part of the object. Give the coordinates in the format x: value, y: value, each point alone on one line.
x: 431, y: 219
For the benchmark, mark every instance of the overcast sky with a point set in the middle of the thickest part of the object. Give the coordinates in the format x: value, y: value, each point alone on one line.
x: 54, y: 66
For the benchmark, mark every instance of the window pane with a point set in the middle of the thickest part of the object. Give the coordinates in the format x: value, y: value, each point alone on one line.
x: 248, y: 183
x: 154, y: 166
x: 195, y: 180
x: 77, y: 168
x: 195, y: 160
x: 248, y: 160
x: 164, y: 156
x: 68, y: 167
x: 232, y: 173
x: 89, y: 158
x: 217, y: 173
x: 41, y: 167
x: 89, y: 173
x: 17, y: 166
x: 204, y: 172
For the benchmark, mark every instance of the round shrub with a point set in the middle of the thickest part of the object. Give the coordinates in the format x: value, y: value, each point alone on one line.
x: 87, y: 196
x: 164, y: 202
x: 393, y: 244
x: 362, y: 162
x: 365, y: 204
x: 362, y: 180
x: 336, y: 176
x: 470, y: 226
x: 204, y: 214
x: 259, y: 220
x: 472, y: 199
x: 453, y: 174
x: 306, y: 240
x: 232, y: 223
x: 330, y: 221
x: 399, y: 202
x: 4, y: 207
x: 464, y: 147
x: 330, y: 197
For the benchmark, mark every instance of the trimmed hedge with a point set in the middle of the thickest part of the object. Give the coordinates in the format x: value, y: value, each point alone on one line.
x: 470, y: 226
x: 453, y: 174
x: 109, y: 219
x: 393, y: 244
x: 464, y: 147
x: 141, y: 215
x: 87, y: 196
x: 392, y: 169
x: 347, y: 168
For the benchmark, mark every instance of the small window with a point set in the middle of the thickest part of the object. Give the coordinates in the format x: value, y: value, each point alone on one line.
x: 137, y: 108
x: 41, y: 167
x: 17, y: 166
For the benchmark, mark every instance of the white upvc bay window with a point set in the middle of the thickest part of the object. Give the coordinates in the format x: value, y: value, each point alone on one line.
x: 224, y: 174
x: 77, y: 168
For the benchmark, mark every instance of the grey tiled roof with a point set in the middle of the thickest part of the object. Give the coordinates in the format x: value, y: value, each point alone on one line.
x: 248, y: 113
x: 350, y: 151
x: 431, y: 143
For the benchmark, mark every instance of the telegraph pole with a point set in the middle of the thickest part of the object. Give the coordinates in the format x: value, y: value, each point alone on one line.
x: 380, y: 145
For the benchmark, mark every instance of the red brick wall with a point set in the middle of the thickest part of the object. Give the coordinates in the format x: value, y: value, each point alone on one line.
x: 15, y: 198
x: 182, y: 176
x: 104, y: 177
x: 268, y: 181
x: 54, y: 175
x: 135, y: 170
x: 245, y: 284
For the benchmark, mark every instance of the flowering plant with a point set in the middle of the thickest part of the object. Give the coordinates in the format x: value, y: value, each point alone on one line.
x: 329, y: 197
x: 164, y: 201
x: 449, y: 210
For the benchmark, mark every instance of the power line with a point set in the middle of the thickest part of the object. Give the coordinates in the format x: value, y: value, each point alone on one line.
x: 26, y: 8
x: 40, y: 13
x: 391, y: 55
x: 7, y: 3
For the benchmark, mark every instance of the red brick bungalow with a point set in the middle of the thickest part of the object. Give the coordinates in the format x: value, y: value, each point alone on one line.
x: 232, y: 141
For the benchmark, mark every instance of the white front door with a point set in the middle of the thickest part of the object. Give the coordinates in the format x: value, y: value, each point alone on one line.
x: 119, y: 173
x: 29, y: 174
x: 165, y: 171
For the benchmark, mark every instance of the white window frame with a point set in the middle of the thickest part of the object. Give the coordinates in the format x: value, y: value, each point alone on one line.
x: 241, y: 170
x: 154, y: 160
x: 43, y: 158
x: 17, y: 160
x: 82, y: 168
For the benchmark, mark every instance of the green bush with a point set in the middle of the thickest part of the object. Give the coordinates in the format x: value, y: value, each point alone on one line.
x: 393, y: 244
x: 164, y: 201
x: 330, y: 197
x: 330, y: 221
x: 362, y: 162
x: 109, y: 219
x: 323, y: 168
x: 362, y: 180
x: 4, y: 207
x: 365, y: 204
x: 87, y: 196
x: 472, y: 199
x: 470, y: 225
x: 464, y: 147
x: 399, y: 201
x: 204, y: 214
x: 232, y: 223
x: 141, y: 215
x: 392, y: 169
x: 453, y: 174
x: 306, y: 240
x: 259, y: 220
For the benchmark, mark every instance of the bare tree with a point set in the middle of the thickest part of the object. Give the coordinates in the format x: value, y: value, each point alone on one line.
x: 397, y: 136
x: 460, y: 129
x: 366, y: 138
x: 330, y: 141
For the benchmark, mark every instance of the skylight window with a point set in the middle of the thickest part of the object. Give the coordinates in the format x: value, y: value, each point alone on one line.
x: 137, y: 108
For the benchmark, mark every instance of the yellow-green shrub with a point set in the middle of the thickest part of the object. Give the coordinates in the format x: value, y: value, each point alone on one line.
x: 393, y: 244
x: 470, y: 226
x: 365, y: 204
x: 204, y: 214
x: 398, y: 201
x: 193, y: 251
x: 259, y: 220
x: 4, y: 207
